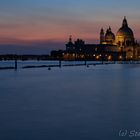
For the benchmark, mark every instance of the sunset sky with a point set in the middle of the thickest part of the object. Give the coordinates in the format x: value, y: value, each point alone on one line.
x: 38, y: 26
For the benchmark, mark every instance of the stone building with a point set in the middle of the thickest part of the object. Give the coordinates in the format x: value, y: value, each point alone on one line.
x: 112, y: 47
x: 124, y: 40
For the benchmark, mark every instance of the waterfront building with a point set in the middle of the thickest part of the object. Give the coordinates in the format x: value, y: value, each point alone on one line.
x: 121, y: 46
x: 124, y: 40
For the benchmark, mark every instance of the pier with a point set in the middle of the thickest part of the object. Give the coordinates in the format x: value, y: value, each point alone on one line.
x: 60, y: 64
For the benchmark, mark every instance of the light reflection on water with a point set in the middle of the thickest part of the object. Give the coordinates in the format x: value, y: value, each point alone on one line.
x: 69, y: 103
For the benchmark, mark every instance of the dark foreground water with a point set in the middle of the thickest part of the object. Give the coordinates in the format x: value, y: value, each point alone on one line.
x: 70, y: 103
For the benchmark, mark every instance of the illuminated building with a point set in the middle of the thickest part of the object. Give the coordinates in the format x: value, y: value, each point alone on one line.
x: 119, y: 47
x: 124, y: 40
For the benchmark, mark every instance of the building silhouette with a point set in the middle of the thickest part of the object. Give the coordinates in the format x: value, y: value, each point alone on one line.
x: 121, y: 46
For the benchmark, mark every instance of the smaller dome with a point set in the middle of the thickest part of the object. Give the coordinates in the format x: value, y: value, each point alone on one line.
x: 109, y: 36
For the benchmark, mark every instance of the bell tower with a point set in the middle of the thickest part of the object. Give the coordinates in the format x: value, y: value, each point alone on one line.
x: 102, y: 36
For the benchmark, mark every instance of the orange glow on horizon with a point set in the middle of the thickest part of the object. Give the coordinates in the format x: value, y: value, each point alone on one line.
x: 42, y: 32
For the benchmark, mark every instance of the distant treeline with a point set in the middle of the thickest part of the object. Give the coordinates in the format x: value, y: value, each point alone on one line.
x: 24, y: 57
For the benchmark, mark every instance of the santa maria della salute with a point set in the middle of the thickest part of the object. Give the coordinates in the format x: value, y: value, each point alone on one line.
x: 113, y: 47
x: 124, y: 36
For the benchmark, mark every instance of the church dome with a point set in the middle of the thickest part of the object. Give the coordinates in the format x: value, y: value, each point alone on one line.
x: 109, y: 36
x: 124, y: 33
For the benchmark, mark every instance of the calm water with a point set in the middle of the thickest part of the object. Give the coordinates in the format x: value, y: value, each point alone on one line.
x: 70, y: 103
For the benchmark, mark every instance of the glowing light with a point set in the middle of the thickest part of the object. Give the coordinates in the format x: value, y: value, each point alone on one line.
x: 120, y: 57
x: 97, y: 57
x: 109, y: 57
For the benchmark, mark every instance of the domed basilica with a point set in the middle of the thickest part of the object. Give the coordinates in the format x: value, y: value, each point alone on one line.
x: 113, y: 47
x: 124, y: 39
x: 124, y: 36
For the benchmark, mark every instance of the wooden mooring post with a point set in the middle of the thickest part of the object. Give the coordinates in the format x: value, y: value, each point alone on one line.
x: 15, y: 62
x: 60, y: 63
